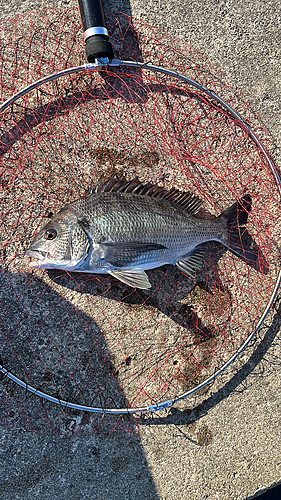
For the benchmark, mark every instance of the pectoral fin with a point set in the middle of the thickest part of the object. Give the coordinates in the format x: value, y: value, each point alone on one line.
x: 125, y: 254
x: 193, y: 262
x: 136, y: 278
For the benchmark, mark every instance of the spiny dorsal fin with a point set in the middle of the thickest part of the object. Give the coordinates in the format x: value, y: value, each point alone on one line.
x: 186, y: 200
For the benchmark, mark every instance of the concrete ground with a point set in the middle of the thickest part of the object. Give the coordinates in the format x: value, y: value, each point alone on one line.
x: 227, y: 444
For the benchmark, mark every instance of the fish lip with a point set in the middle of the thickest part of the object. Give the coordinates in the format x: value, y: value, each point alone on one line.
x: 35, y: 254
x: 39, y: 256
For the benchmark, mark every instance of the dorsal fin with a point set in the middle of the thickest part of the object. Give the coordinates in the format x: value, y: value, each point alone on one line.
x: 186, y: 200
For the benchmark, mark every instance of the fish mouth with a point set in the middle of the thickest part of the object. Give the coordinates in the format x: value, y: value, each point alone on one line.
x: 39, y: 256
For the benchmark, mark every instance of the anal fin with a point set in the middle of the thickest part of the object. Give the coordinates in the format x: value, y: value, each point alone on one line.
x: 136, y: 278
x: 193, y: 262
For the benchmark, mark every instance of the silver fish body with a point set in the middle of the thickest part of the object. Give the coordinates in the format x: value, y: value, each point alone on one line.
x: 125, y: 233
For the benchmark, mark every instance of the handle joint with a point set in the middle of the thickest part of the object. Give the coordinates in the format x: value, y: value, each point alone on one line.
x: 98, y: 30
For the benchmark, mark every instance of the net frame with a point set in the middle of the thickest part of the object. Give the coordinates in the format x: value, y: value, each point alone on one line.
x: 96, y: 67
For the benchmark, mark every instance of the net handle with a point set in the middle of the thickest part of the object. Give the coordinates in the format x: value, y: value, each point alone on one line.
x: 95, y: 31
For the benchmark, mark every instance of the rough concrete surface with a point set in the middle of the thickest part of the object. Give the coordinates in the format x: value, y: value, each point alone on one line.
x: 219, y: 446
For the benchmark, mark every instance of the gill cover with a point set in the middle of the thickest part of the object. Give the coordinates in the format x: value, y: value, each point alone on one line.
x: 70, y: 246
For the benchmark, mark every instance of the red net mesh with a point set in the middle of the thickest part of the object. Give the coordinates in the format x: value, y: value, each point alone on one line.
x: 89, y: 339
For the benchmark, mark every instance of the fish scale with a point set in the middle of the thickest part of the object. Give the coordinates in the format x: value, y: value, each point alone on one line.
x: 134, y: 218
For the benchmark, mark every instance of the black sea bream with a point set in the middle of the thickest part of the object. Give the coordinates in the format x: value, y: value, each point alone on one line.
x: 124, y: 228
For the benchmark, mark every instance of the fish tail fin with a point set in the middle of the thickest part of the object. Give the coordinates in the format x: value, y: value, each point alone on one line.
x: 235, y: 236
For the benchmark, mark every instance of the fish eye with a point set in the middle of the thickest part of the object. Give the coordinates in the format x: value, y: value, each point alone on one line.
x: 51, y: 234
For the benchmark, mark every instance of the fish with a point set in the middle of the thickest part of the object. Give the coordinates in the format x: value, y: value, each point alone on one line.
x: 125, y: 228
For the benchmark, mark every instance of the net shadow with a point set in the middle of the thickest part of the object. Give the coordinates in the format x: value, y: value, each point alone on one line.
x: 238, y: 381
x: 51, y: 345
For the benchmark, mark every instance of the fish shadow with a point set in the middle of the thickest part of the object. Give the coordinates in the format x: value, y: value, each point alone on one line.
x: 175, y: 295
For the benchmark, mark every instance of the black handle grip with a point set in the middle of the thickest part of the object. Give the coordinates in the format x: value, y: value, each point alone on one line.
x: 95, y: 32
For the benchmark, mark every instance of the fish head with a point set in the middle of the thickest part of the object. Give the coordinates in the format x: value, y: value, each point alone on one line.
x: 60, y: 244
